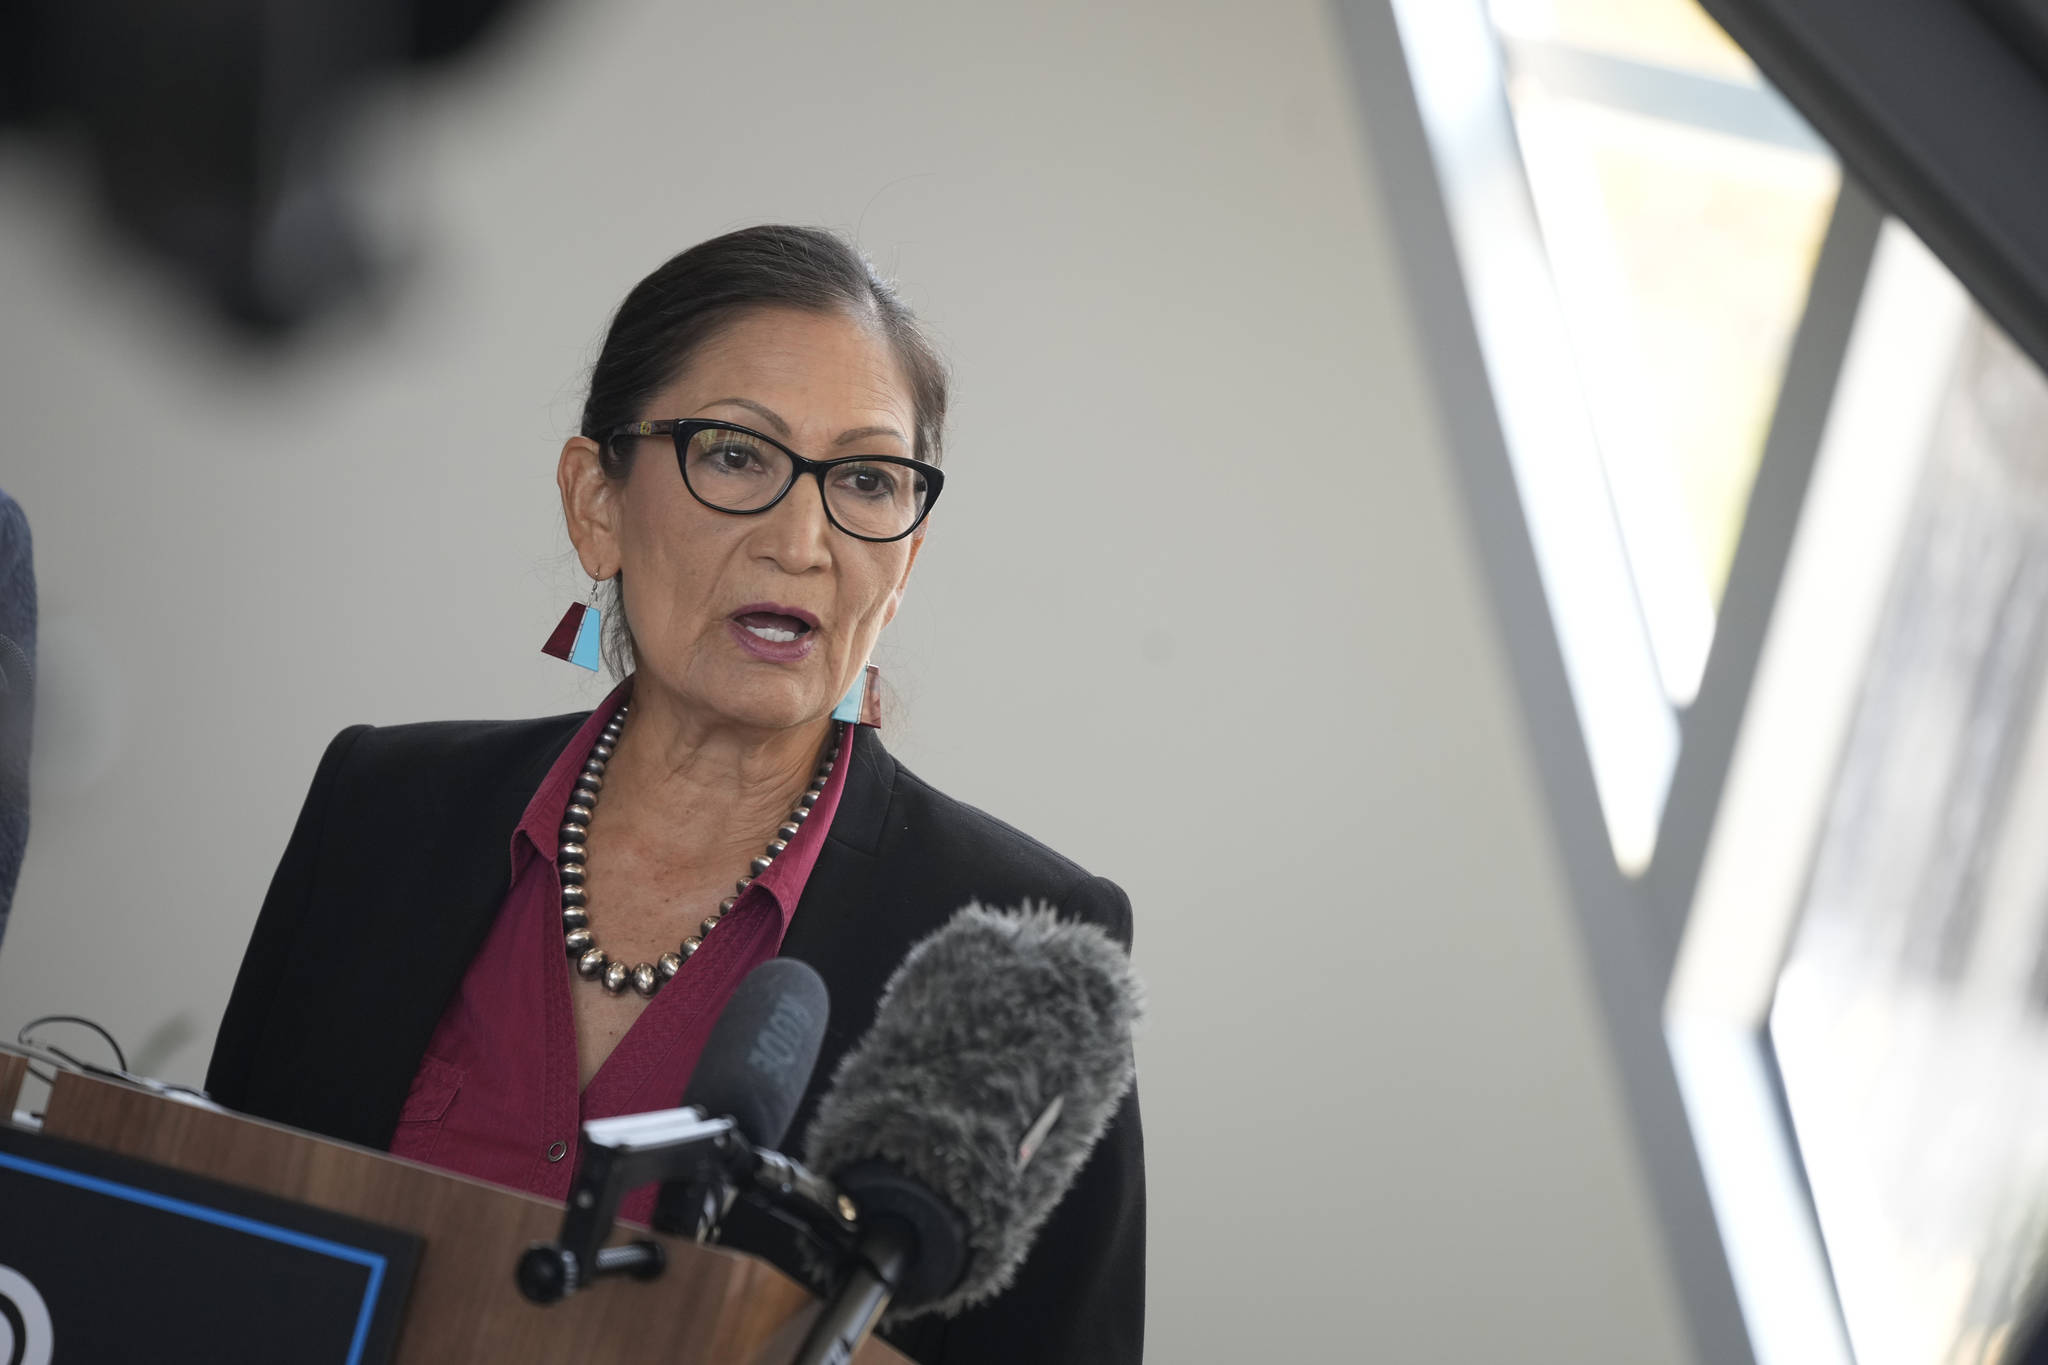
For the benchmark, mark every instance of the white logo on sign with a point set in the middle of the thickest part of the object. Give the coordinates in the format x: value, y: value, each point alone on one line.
x: 23, y: 1310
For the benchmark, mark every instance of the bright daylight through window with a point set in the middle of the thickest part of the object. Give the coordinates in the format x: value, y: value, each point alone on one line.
x: 1682, y: 206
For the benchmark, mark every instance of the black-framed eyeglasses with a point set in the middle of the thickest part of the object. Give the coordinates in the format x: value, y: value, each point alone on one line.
x: 732, y: 469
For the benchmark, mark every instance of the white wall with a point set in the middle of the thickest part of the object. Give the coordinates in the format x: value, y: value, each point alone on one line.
x: 1249, y: 671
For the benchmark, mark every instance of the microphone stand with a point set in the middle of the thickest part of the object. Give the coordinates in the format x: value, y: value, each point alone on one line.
x: 623, y: 1154
x: 909, y: 1243
x: 707, y: 1162
x: 880, y: 1257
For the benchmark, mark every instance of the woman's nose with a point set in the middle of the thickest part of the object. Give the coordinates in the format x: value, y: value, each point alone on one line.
x: 794, y: 533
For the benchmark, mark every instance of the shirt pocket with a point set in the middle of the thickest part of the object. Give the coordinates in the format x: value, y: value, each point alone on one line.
x: 434, y: 1088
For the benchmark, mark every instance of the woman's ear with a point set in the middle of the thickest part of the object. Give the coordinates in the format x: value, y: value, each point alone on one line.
x: 590, y: 505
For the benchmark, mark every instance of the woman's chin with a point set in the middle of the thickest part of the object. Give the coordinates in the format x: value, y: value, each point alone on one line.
x: 775, y: 717
x: 752, y: 704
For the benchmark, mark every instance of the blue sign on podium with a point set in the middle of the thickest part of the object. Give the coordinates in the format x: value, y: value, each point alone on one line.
x: 105, y: 1258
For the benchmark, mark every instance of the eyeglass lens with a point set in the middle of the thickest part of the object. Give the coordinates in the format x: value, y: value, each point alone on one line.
x: 740, y: 472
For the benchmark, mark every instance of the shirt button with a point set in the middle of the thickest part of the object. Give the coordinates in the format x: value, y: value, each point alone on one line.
x: 558, y: 1151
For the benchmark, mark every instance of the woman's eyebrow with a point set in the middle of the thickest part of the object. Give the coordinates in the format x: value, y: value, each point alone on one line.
x: 862, y: 433
x: 767, y: 414
x: 781, y: 428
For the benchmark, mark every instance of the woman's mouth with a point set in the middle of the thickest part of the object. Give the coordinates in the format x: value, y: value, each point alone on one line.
x: 774, y: 626
x: 773, y: 631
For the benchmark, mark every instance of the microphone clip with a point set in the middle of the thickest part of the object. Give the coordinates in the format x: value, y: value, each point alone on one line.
x: 620, y: 1155
x: 703, y: 1162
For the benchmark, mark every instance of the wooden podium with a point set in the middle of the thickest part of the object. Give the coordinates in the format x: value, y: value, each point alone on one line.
x: 709, y: 1307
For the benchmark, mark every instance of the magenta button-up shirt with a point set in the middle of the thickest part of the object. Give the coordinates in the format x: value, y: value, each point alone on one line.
x: 495, y: 1096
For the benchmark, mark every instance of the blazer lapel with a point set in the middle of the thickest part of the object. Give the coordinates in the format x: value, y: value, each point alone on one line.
x: 467, y: 877
x: 400, y: 911
x: 836, y: 928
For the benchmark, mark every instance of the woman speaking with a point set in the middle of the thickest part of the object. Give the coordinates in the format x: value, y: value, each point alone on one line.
x: 483, y: 934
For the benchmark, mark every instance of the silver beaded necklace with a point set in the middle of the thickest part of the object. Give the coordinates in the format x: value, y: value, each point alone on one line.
x: 592, y: 964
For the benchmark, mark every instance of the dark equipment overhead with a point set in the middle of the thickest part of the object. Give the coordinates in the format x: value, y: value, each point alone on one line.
x: 210, y: 129
x: 1940, y: 107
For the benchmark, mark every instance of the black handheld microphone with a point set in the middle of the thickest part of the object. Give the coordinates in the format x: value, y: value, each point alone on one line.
x: 758, y: 1060
x: 755, y: 1067
x: 999, y: 1054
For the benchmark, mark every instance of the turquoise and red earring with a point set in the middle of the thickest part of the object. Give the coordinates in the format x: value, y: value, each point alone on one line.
x: 862, y: 704
x: 576, y: 638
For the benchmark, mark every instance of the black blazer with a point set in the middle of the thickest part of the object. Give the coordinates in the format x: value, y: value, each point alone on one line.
x: 401, y: 859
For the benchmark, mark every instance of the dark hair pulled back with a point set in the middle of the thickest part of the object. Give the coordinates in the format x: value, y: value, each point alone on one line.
x: 695, y: 295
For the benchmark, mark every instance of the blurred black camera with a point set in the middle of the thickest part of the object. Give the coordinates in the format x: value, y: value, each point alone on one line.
x: 210, y: 126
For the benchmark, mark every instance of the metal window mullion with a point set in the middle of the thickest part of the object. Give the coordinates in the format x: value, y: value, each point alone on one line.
x: 1608, y: 905
x: 1538, y: 397
x: 1761, y: 833
x: 1813, y: 367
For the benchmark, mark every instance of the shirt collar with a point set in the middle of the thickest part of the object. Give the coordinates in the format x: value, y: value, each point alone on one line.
x: 541, y: 825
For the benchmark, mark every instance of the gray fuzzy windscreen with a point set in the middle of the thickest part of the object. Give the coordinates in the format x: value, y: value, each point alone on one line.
x: 984, y: 1024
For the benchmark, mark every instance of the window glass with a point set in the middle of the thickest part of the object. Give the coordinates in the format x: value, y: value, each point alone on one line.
x: 1682, y: 206
x: 1910, y: 1021
x: 1674, y: 33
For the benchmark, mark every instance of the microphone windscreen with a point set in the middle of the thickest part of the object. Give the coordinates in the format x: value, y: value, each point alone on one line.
x: 1000, y: 1051
x: 758, y: 1060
